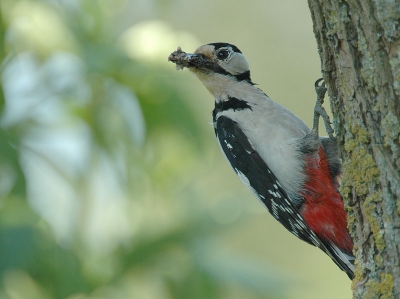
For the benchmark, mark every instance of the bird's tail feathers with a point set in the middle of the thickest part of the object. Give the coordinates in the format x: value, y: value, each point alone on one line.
x: 345, y: 260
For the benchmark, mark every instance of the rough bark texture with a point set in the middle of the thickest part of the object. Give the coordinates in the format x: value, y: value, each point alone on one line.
x: 359, y: 46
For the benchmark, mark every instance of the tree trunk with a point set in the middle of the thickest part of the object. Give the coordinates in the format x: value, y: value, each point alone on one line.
x: 359, y: 45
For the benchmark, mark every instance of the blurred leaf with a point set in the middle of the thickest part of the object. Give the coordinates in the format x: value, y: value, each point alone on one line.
x: 10, y: 165
x: 23, y: 246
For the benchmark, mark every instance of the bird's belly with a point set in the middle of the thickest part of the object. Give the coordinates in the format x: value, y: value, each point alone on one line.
x: 277, y: 146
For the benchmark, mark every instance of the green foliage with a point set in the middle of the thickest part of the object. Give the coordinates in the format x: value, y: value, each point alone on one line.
x: 100, y: 166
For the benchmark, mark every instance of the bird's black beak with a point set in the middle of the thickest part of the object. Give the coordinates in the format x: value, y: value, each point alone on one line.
x: 183, y: 59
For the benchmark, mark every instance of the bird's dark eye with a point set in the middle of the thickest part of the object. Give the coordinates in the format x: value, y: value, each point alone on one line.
x: 223, y: 54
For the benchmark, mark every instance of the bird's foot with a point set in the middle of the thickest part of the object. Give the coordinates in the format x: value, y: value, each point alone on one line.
x: 320, y: 111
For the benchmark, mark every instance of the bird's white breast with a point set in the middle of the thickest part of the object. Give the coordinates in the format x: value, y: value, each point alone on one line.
x: 275, y: 133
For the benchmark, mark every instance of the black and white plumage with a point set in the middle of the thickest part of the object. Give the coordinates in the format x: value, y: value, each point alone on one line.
x: 287, y: 166
x: 257, y: 176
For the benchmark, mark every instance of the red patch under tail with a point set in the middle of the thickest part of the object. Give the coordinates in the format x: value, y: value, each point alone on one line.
x: 324, y: 209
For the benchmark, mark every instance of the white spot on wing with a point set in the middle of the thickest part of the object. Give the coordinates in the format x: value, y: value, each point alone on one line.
x: 228, y: 145
x: 274, y: 194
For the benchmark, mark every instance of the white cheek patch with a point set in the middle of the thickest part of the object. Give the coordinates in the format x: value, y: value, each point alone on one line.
x: 236, y: 64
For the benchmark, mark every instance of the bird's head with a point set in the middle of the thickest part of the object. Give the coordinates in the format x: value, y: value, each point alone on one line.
x: 215, y: 64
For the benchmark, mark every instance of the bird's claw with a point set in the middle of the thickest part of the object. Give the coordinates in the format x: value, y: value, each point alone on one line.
x: 320, y: 111
x: 316, y: 84
x: 320, y: 90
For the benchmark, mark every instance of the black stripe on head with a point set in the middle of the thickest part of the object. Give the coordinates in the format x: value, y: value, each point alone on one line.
x: 240, y: 77
x: 223, y: 45
x: 231, y: 103
x: 244, y: 77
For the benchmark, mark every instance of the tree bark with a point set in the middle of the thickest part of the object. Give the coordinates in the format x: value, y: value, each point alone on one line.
x: 359, y: 46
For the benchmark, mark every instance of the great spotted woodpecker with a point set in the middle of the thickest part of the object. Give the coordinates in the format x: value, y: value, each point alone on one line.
x: 289, y: 168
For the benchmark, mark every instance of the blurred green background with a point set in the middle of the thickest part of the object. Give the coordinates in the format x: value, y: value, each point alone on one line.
x: 111, y: 181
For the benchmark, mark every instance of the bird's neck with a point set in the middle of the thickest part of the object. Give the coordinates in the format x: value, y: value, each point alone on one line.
x: 222, y: 86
